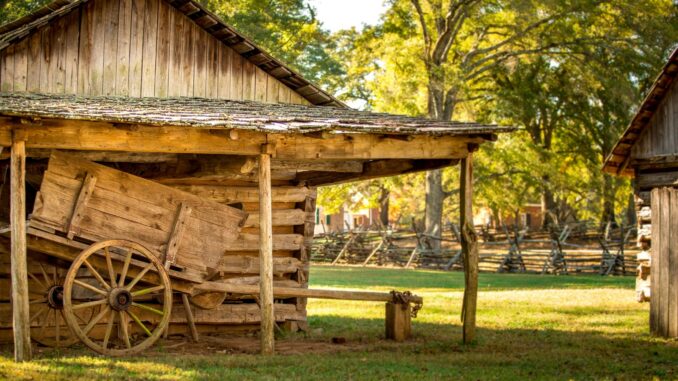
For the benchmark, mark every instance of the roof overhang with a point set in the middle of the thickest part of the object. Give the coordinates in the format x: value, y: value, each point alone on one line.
x: 617, y: 162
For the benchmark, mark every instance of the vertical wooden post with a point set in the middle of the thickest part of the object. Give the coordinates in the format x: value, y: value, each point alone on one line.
x: 398, y: 321
x: 266, y: 256
x: 20, y: 305
x: 470, y: 250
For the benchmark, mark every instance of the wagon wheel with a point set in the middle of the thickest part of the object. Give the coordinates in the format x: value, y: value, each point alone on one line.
x: 48, y: 326
x: 122, y: 298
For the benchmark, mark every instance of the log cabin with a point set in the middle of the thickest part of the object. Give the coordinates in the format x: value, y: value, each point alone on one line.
x: 648, y: 152
x: 167, y: 91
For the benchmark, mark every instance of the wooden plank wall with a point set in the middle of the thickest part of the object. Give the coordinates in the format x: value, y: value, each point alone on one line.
x: 293, y: 225
x: 134, y: 48
x: 661, y: 136
x: 664, y: 267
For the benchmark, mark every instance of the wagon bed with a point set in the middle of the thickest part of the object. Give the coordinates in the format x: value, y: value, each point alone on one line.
x: 79, y: 198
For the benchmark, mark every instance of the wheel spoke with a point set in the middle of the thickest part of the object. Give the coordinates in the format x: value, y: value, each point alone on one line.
x: 123, y: 329
x: 147, y: 291
x: 44, y: 323
x: 139, y: 276
x: 57, y: 330
x: 44, y: 274
x: 35, y: 278
x: 38, y: 314
x: 96, y: 319
x: 147, y: 308
x: 109, y: 329
x: 38, y: 301
x: 139, y: 323
x: 97, y: 275
x: 56, y: 277
x: 125, y: 267
x: 109, y: 264
x: 90, y: 287
x: 89, y: 304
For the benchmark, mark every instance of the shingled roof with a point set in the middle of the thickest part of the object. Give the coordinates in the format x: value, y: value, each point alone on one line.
x: 617, y: 161
x: 16, y: 30
x: 216, y: 113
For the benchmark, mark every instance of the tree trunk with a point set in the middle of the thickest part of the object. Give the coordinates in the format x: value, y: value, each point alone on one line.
x: 548, y: 205
x: 384, y: 201
x: 631, y: 217
x: 608, y: 200
x: 434, y: 205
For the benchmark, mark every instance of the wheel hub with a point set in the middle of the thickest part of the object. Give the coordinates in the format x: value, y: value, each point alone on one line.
x: 120, y: 299
x: 55, y: 297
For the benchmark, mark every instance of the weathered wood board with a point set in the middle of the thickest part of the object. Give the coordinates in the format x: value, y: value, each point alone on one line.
x: 133, y: 48
x: 125, y: 206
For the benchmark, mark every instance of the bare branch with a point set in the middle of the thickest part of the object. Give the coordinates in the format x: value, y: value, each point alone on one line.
x: 456, y: 15
x: 424, y: 29
x: 476, y: 52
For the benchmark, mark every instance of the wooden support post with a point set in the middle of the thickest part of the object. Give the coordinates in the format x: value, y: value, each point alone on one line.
x: 469, y: 244
x: 398, y: 321
x: 266, y: 256
x: 20, y: 305
x: 189, y: 318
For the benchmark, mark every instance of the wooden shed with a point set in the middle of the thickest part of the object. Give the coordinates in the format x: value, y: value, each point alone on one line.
x: 166, y: 91
x: 648, y: 151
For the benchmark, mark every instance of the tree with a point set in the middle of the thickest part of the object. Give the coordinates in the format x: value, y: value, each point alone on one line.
x: 13, y: 9
x: 442, y: 58
x: 289, y: 30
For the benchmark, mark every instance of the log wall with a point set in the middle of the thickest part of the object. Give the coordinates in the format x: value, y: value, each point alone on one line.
x: 134, y: 48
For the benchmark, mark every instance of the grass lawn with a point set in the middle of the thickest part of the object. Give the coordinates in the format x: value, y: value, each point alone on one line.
x: 530, y: 327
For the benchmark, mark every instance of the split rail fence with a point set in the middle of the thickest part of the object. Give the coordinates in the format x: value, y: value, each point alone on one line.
x: 574, y: 248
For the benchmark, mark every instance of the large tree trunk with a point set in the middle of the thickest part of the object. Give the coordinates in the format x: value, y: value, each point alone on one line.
x: 384, y: 201
x: 434, y: 205
x: 631, y: 216
x: 608, y: 200
x: 548, y: 205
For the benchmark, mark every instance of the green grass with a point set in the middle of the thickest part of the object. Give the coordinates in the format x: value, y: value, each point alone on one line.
x: 360, y: 277
x: 530, y: 327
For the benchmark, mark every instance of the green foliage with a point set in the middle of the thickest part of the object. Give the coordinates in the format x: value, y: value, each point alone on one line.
x: 568, y: 73
x: 289, y: 30
x: 13, y: 9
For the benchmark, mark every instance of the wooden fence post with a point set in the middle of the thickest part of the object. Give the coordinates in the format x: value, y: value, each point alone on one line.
x: 20, y: 305
x: 470, y: 250
x: 266, y: 256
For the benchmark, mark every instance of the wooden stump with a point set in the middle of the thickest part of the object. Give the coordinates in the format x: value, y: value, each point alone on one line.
x: 398, y: 321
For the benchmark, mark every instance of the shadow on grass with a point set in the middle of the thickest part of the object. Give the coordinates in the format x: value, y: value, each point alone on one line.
x: 435, y: 352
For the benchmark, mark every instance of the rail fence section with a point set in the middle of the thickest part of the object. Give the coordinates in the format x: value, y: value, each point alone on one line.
x: 574, y: 248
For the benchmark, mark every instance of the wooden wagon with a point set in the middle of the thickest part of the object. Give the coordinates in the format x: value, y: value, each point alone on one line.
x: 129, y: 244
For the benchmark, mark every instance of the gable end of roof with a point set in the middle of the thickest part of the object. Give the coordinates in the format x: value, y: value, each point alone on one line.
x: 248, y: 49
x: 617, y: 161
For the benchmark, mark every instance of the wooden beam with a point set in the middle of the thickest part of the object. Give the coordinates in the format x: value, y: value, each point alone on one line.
x: 20, y: 305
x: 103, y: 136
x: 266, y: 256
x: 469, y: 246
x: 290, y: 292
x: 104, y: 156
x: 374, y: 169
